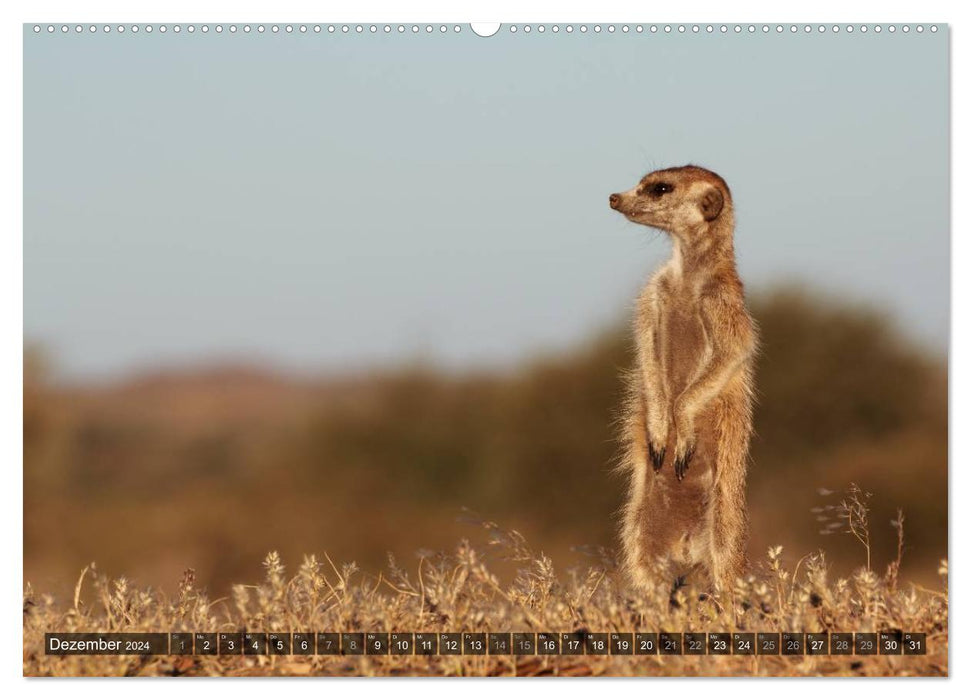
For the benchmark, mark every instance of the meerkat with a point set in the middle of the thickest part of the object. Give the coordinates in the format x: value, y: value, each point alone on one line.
x: 688, y: 416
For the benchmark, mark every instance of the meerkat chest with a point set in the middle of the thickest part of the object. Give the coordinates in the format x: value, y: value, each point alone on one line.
x: 683, y: 343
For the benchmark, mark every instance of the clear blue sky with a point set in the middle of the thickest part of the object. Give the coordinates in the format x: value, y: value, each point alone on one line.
x: 323, y: 201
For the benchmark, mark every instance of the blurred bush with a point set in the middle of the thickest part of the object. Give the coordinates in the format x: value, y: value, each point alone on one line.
x: 212, y: 469
x: 830, y: 374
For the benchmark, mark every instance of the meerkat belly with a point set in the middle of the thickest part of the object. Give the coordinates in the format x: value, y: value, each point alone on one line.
x: 685, y: 353
x: 685, y: 347
x: 687, y: 503
x: 681, y: 512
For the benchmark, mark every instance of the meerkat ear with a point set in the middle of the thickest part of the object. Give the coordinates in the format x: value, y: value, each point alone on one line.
x: 712, y: 203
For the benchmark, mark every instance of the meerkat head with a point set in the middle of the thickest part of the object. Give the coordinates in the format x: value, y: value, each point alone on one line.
x: 682, y: 201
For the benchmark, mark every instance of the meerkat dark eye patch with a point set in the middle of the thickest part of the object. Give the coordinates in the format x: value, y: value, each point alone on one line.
x: 659, y: 188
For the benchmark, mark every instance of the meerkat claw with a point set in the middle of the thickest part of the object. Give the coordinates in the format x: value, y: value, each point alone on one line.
x: 681, y: 463
x: 657, y: 456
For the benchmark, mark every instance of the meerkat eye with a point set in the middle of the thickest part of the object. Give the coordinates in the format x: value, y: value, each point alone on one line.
x: 661, y: 188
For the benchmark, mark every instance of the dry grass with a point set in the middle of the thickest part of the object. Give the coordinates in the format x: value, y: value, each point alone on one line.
x: 458, y: 592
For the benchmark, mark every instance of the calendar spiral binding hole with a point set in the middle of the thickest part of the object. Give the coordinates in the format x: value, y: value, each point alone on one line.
x: 517, y: 29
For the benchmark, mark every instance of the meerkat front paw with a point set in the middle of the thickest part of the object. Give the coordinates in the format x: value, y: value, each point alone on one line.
x: 656, y: 455
x: 682, y: 457
x: 657, y: 433
x: 684, y: 443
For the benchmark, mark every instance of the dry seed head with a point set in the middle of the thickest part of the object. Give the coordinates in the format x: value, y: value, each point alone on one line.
x: 241, y: 598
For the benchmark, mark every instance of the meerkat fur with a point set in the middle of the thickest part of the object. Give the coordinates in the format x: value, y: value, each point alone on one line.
x: 688, y: 415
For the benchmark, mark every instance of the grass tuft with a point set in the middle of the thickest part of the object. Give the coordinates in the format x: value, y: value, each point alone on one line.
x: 457, y: 591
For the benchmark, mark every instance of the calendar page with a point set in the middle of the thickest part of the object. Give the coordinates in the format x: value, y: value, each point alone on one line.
x: 518, y: 349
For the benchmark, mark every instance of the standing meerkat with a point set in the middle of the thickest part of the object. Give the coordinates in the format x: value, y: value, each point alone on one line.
x: 689, y: 411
